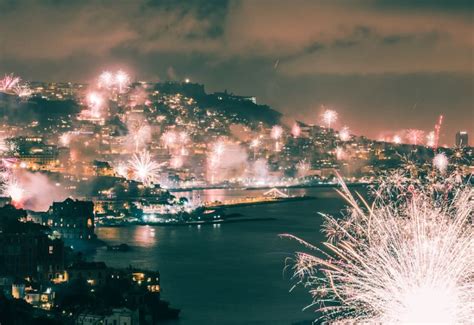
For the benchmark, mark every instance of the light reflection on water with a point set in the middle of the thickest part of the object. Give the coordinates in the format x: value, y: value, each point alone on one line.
x: 228, y: 273
x: 213, y: 195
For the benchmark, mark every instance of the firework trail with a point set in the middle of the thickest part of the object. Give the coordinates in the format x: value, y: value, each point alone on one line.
x: 276, y: 133
x: 431, y: 139
x: 407, y: 258
x: 329, y: 117
x: 144, y: 168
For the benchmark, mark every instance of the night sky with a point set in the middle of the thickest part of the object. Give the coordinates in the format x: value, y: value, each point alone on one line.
x: 383, y: 65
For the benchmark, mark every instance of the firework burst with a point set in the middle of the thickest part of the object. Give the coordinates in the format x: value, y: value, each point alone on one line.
x: 23, y: 91
x: 303, y: 168
x: 106, y: 80
x: 277, y: 132
x: 13, y: 189
x: 9, y: 82
x: 440, y: 162
x: 122, y: 80
x: 415, y: 136
x: 144, y: 168
x: 329, y: 117
x: 345, y: 134
x: 169, y: 138
x: 431, y: 139
x: 397, y: 139
x: 401, y: 260
x: 140, y: 133
x: 296, y: 130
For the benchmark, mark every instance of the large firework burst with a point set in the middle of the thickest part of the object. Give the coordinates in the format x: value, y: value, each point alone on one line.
x: 329, y: 117
x: 144, y: 168
x: 405, y: 258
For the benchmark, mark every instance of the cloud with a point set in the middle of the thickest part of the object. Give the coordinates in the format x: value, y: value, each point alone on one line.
x: 308, y: 37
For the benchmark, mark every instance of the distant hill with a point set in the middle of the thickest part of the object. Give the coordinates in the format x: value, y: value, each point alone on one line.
x: 243, y: 108
x: 35, y: 109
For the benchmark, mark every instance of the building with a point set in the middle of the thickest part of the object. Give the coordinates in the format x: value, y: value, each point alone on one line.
x: 95, y: 273
x: 462, y: 139
x: 116, y: 316
x: 231, y: 97
x: 73, y: 219
x: 34, y: 152
x: 27, y: 250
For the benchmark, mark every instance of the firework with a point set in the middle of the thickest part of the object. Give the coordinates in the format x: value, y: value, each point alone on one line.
x: 183, y: 137
x: 255, y: 143
x: 303, y: 167
x: 329, y: 117
x: 340, y: 153
x: 140, y: 133
x: 277, y: 132
x: 9, y: 82
x: 296, y: 130
x: 344, y: 134
x: 176, y: 162
x: 13, y: 189
x: 65, y: 139
x: 121, y: 170
x: 106, y: 80
x: 3, y: 146
x: 440, y: 162
x: 144, y: 168
x: 122, y: 79
x: 95, y: 103
x: 397, y: 261
x: 414, y: 136
x: 431, y: 139
x: 397, y: 139
x: 23, y: 91
x: 215, y: 158
x: 437, y: 131
x: 217, y: 150
x: 169, y: 138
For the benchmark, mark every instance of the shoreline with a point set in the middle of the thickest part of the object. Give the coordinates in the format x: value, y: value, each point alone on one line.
x: 243, y: 188
x: 231, y: 218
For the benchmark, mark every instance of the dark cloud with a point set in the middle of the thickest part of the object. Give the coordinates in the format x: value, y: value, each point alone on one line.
x: 327, y: 51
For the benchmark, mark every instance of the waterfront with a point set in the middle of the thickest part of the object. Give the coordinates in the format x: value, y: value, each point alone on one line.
x: 229, y: 273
